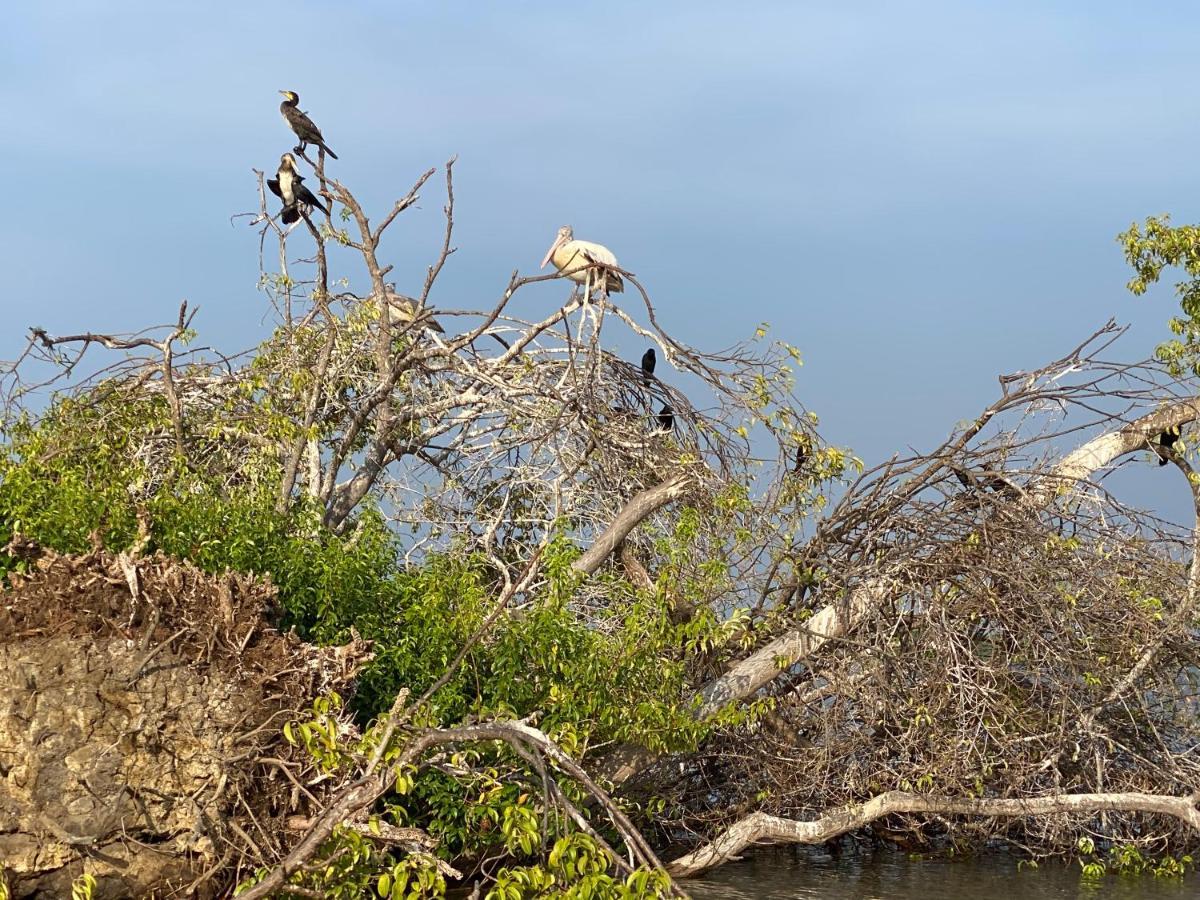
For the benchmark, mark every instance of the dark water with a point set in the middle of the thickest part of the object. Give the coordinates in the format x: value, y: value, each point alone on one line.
x: 894, y: 876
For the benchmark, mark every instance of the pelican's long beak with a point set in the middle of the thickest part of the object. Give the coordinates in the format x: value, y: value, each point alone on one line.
x: 558, y: 242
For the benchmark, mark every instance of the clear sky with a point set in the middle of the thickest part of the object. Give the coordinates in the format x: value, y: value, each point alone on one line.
x: 920, y: 195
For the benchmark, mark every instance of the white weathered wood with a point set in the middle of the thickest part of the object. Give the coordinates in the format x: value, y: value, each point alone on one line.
x: 760, y: 827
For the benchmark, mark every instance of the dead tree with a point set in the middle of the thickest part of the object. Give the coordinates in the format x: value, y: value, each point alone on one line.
x: 981, y: 625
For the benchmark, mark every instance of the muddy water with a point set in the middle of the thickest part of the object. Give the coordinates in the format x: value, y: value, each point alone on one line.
x: 776, y: 875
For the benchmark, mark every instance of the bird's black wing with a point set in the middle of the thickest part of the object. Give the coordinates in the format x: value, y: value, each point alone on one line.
x: 273, y: 184
x: 290, y: 214
x: 666, y: 419
x: 302, y: 125
x: 304, y: 195
x: 306, y: 129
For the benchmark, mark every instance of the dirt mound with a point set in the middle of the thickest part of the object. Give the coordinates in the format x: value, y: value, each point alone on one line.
x: 141, y: 707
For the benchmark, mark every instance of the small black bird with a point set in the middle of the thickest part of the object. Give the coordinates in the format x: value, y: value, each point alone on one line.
x: 666, y: 419
x: 1169, y: 437
x: 302, y: 124
x: 648, y: 362
x: 288, y: 186
x: 801, y: 458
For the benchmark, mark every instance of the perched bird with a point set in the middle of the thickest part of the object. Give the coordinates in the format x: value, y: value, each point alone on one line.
x: 288, y: 186
x: 666, y: 419
x: 979, y: 480
x: 1172, y: 438
x: 572, y: 256
x: 404, y: 310
x: 648, y: 361
x: 801, y: 458
x: 301, y: 123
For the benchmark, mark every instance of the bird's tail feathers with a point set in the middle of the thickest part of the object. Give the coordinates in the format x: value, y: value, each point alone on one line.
x: 325, y: 147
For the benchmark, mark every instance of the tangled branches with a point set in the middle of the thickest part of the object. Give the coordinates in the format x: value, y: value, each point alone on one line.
x: 982, y: 630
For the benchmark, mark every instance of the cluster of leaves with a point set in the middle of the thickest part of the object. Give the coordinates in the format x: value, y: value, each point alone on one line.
x: 487, y: 810
x: 82, y: 474
x: 1127, y: 859
x: 1152, y: 248
x: 356, y: 866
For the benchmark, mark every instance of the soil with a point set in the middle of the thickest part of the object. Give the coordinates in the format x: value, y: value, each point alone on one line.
x: 141, y: 711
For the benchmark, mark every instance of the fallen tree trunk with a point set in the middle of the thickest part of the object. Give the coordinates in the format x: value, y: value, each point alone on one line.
x: 760, y: 827
x: 838, y: 618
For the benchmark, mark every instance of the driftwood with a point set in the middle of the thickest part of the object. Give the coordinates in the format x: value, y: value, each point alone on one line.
x: 760, y: 827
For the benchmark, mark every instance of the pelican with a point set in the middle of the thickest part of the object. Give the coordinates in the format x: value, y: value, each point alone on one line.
x: 571, y: 256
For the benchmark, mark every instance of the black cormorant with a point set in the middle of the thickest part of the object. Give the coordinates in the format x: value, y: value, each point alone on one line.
x: 1169, y: 437
x: 301, y: 123
x: 648, y: 361
x: 801, y: 458
x: 666, y: 419
x: 288, y: 186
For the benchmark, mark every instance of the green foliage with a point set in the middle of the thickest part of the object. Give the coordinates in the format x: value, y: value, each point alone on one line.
x: 92, y: 466
x: 354, y: 866
x: 1127, y: 859
x: 1149, y: 250
x: 102, y: 466
x: 577, y: 868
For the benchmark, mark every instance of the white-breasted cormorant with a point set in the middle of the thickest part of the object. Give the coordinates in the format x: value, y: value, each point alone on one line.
x: 301, y: 123
x: 288, y: 186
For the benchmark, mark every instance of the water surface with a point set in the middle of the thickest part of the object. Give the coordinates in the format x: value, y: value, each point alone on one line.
x: 776, y: 875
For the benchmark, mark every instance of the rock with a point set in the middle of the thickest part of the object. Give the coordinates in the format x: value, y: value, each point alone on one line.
x: 138, y: 698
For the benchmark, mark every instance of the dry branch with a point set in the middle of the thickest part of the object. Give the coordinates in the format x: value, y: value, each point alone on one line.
x: 763, y: 828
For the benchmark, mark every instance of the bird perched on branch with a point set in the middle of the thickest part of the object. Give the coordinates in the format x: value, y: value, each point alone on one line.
x: 648, y: 361
x: 288, y: 186
x: 666, y: 419
x: 301, y: 123
x: 1169, y: 437
x: 404, y: 310
x: 584, y: 262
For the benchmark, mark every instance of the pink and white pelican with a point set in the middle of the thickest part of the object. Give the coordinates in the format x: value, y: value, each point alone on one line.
x: 579, y: 260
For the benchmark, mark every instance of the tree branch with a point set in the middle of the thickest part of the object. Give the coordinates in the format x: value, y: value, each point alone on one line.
x: 638, y: 508
x: 760, y: 827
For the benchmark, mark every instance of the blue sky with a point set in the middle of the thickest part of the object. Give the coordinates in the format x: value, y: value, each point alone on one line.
x: 920, y: 195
